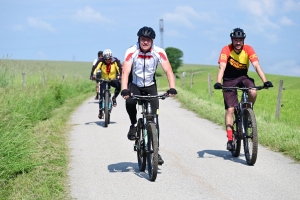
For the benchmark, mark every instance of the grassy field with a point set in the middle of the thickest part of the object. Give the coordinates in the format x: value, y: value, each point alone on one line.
x: 34, y: 129
x: 33, y: 148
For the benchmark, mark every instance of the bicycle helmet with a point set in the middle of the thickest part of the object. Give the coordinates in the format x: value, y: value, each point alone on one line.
x: 146, y: 32
x: 238, y: 33
x: 100, y: 53
x: 107, y: 54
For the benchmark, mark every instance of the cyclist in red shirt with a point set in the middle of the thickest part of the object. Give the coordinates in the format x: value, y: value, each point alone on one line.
x: 233, y: 69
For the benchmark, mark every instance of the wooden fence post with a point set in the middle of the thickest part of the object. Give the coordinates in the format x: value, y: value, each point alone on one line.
x: 23, y: 79
x: 209, y: 85
x: 183, y: 78
x: 191, y: 80
x: 280, y: 88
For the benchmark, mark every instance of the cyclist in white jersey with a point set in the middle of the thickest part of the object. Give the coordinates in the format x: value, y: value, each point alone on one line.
x: 138, y: 75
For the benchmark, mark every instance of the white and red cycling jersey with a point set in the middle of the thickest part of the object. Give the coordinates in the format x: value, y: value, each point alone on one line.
x: 144, y: 64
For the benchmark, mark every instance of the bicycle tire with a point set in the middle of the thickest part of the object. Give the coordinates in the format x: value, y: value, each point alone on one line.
x: 140, y: 146
x: 250, y: 137
x: 236, y: 137
x: 106, y: 112
x: 152, y: 153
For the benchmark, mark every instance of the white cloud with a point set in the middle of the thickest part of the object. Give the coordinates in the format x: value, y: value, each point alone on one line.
x: 286, y: 21
x: 174, y: 33
x: 287, y: 67
x: 261, y: 11
x: 88, y: 14
x: 41, y: 55
x: 185, y: 15
x: 259, y: 8
x: 17, y: 27
x: 291, y: 5
x: 37, y: 23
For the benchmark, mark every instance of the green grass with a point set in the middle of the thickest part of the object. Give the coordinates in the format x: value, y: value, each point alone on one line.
x: 33, y: 149
x: 34, y: 128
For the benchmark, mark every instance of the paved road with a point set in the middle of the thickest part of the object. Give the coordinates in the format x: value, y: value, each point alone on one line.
x: 103, y: 164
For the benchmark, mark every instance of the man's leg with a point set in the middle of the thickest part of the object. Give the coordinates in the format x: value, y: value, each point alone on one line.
x: 97, y: 90
x: 100, y: 115
x: 117, y: 85
x: 131, y: 110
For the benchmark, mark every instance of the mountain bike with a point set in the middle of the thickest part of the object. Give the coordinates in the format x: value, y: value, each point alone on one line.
x: 106, y: 102
x: 244, y: 125
x: 146, y: 143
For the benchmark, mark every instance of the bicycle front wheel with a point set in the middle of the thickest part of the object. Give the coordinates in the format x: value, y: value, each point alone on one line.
x: 152, y: 151
x: 106, y: 111
x: 250, y: 136
x: 140, y: 146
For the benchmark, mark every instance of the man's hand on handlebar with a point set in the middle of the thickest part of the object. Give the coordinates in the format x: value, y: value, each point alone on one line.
x: 172, y: 92
x: 268, y: 84
x: 125, y: 93
x: 218, y: 86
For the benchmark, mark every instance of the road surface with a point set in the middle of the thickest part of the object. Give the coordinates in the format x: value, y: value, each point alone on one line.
x: 103, y: 164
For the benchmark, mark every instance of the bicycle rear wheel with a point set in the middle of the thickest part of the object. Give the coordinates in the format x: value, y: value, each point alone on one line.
x: 250, y: 137
x: 152, y: 151
x: 140, y: 146
x: 106, y: 112
x: 236, y: 136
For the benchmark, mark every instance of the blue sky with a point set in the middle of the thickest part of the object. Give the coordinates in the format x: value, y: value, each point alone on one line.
x: 77, y: 29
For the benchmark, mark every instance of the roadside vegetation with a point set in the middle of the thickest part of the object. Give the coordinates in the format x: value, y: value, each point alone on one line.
x: 33, y: 139
x: 34, y: 119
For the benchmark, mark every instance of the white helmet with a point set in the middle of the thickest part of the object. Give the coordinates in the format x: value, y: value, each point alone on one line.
x: 107, y: 54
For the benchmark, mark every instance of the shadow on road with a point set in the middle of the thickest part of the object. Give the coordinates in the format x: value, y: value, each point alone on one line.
x: 226, y: 155
x: 94, y: 102
x: 128, y: 167
x: 100, y: 123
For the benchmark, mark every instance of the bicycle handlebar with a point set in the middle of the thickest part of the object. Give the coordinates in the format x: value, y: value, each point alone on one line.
x: 106, y: 80
x: 148, y: 97
x: 244, y: 88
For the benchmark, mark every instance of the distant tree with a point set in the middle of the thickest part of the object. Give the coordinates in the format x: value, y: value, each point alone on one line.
x: 175, y: 57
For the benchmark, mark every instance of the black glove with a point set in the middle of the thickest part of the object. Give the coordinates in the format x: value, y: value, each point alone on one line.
x: 218, y: 86
x: 172, y: 91
x: 268, y: 84
x: 125, y: 92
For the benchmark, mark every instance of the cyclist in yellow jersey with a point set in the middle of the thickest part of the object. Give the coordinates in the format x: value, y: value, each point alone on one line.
x: 233, y: 70
x: 111, y: 69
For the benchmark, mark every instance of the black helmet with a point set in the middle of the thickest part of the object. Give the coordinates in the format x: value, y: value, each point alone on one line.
x: 100, y: 53
x: 146, y: 32
x: 238, y: 33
